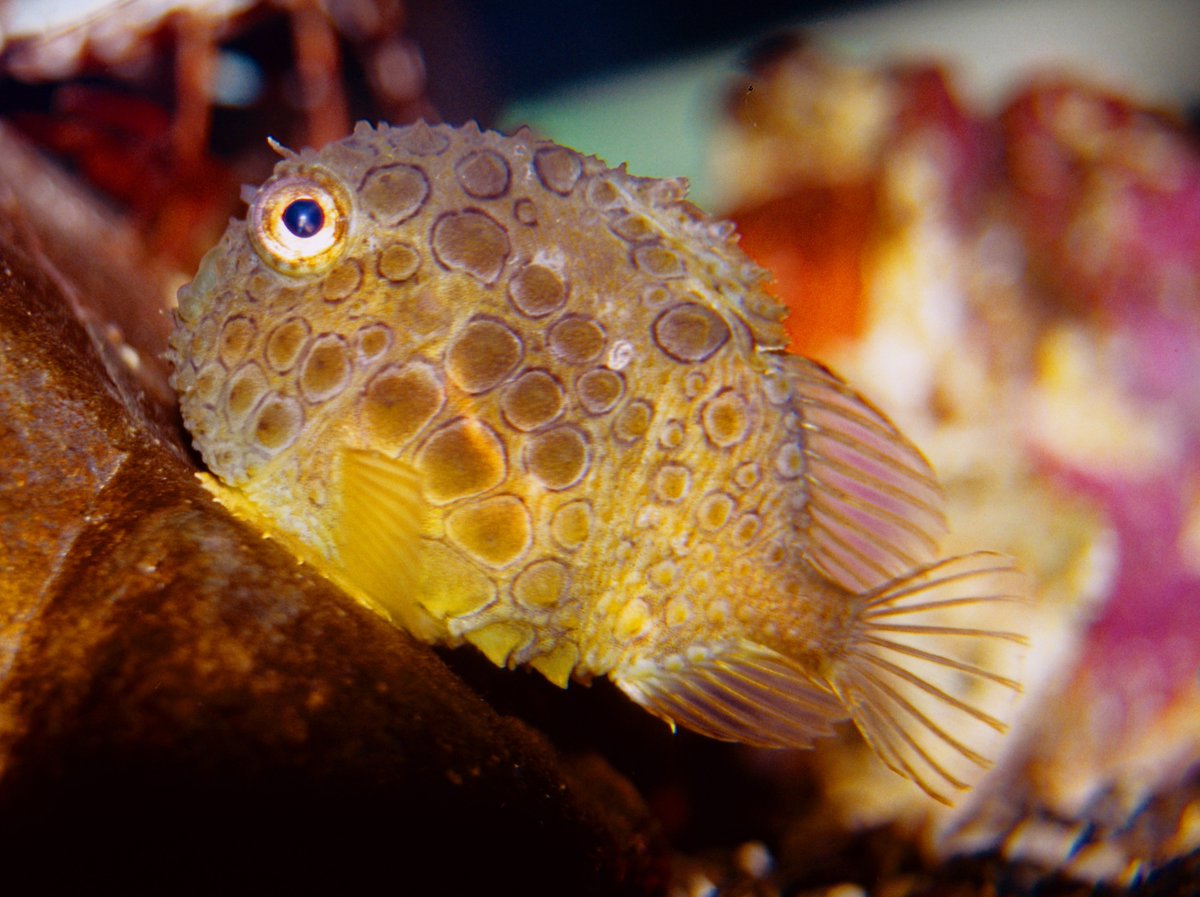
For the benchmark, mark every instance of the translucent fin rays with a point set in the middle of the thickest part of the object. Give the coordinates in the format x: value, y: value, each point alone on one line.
x: 875, y: 508
x: 927, y: 684
x: 741, y: 691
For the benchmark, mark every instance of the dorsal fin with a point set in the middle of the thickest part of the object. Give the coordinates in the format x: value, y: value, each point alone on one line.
x: 281, y: 150
x: 874, y: 507
x: 739, y: 691
x: 379, y: 531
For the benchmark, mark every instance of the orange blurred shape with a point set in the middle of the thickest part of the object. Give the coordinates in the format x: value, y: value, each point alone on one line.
x: 121, y: 143
x: 813, y: 240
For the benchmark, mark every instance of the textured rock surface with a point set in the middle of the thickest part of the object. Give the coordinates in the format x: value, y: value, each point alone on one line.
x: 181, y: 704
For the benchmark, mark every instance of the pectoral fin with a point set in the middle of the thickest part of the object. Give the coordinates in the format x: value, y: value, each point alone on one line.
x: 736, y: 692
x: 379, y: 531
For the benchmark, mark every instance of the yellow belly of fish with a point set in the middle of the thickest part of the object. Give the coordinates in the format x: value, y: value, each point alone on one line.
x: 679, y: 533
x: 558, y: 545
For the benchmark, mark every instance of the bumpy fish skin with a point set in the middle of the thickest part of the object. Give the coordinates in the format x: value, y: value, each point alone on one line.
x: 512, y: 397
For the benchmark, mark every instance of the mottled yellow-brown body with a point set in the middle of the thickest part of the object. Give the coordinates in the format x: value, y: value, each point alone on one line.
x: 516, y: 398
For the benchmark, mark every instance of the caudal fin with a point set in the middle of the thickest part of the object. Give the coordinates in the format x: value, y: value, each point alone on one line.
x: 931, y: 671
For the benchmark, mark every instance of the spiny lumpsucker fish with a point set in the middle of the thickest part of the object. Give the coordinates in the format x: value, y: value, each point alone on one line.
x: 509, y: 396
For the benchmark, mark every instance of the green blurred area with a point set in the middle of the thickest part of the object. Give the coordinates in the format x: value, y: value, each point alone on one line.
x: 657, y: 119
x: 660, y: 117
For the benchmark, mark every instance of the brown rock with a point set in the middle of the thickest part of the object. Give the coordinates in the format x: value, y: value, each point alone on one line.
x: 182, y: 705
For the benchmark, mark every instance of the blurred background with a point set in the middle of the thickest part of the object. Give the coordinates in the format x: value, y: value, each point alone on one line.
x: 637, y: 82
x: 986, y: 215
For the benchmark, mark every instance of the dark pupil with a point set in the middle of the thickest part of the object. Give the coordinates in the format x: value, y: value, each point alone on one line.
x: 303, y: 217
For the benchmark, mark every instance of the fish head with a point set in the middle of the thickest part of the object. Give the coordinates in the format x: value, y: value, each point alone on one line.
x: 302, y: 295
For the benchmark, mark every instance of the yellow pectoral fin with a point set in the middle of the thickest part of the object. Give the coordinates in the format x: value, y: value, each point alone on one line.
x: 381, y: 517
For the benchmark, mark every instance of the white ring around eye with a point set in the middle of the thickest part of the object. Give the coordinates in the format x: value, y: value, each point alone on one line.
x: 281, y: 248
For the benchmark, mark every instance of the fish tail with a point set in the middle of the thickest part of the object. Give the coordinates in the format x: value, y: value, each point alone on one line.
x: 917, y: 655
x: 920, y: 671
x: 925, y: 678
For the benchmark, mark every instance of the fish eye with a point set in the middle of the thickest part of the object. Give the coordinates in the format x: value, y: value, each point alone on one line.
x: 299, y: 223
x: 303, y: 217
